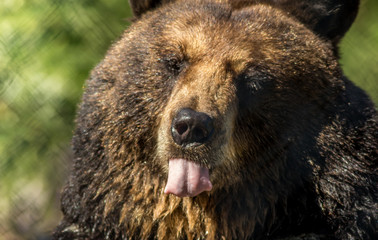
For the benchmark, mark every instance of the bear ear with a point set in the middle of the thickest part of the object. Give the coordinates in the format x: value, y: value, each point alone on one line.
x: 141, y: 6
x: 328, y: 18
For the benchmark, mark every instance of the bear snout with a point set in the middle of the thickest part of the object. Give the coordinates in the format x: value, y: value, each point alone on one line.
x: 190, y: 128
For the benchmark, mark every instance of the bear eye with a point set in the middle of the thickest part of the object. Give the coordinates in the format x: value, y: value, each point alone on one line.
x: 174, y: 65
x: 255, y: 80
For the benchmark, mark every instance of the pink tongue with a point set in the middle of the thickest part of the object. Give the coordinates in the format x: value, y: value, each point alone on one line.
x: 187, y: 179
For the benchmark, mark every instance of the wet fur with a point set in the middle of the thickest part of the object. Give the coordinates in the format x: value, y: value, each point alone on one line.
x: 295, y: 149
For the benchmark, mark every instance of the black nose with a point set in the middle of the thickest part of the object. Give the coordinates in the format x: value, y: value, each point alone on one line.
x: 191, y: 128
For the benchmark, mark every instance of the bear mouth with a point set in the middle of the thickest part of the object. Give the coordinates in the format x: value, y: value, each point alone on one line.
x: 187, y: 178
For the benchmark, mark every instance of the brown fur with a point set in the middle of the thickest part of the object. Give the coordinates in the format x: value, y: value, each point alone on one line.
x: 294, y: 142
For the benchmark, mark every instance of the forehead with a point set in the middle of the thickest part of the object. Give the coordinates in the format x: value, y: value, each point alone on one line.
x: 220, y: 32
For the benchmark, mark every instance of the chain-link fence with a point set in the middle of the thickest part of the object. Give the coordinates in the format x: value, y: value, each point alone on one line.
x: 47, y: 48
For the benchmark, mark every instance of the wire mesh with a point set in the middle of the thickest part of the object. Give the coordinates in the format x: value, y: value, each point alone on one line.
x: 47, y: 49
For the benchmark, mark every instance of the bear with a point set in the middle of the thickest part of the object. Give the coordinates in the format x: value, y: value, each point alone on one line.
x: 224, y: 119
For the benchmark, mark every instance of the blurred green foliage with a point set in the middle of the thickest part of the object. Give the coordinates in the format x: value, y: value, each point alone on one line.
x: 47, y: 48
x: 359, y: 49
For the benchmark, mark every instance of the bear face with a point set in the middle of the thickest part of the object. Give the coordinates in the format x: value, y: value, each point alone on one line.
x: 223, y: 64
x: 226, y: 67
x: 218, y: 119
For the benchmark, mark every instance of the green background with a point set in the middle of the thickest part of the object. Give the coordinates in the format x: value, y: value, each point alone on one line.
x: 47, y: 48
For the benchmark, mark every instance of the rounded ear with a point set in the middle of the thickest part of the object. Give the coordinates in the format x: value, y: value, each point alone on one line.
x: 141, y: 6
x: 328, y: 18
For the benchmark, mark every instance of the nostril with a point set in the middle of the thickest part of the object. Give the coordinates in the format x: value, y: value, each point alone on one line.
x: 191, y: 128
x: 199, y: 133
x: 181, y: 128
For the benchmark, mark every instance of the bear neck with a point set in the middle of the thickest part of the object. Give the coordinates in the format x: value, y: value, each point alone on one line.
x: 145, y: 211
